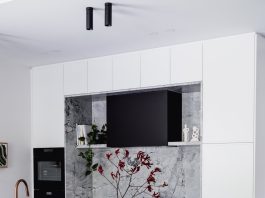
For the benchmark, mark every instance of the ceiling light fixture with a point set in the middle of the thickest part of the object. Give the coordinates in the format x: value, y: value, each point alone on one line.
x: 108, y: 14
x: 89, y: 18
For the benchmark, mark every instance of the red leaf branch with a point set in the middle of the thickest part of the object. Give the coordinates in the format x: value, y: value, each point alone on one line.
x: 123, y: 169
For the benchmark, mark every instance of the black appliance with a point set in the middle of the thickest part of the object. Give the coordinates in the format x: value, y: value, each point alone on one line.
x: 49, y: 173
x: 151, y: 118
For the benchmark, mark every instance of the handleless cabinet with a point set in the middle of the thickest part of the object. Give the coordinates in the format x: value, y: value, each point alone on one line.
x: 229, y: 89
x: 99, y: 75
x: 75, y: 77
x: 47, y: 106
x: 126, y: 71
x: 186, y: 63
x: 155, y: 67
x: 227, y: 170
x: 233, y: 117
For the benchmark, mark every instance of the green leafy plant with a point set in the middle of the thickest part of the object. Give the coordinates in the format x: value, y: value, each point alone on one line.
x: 88, y: 156
x: 95, y: 136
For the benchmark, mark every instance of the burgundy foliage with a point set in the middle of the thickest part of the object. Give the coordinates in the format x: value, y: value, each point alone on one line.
x: 124, y: 169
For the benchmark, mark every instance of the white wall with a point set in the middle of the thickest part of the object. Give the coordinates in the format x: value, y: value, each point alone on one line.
x: 15, y: 127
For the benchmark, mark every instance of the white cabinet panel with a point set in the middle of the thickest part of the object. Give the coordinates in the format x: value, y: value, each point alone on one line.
x: 75, y: 77
x: 260, y: 115
x: 126, y: 71
x: 186, y: 63
x: 228, y: 89
x: 155, y: 67
x: 99, y: 72
x: 227, y: 170
x: 47, y: 106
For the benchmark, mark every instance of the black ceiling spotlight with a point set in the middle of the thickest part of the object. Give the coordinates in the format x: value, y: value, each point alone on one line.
x: 89, y: 18
x: 108, y: 14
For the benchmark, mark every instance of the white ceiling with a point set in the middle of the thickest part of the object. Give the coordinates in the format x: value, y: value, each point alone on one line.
x: 38, y: 32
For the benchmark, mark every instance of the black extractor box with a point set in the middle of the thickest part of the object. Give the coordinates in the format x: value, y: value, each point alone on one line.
x: 151, y: 118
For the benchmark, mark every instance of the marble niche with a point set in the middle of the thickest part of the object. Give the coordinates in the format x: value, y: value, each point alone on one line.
x: 180, y: 165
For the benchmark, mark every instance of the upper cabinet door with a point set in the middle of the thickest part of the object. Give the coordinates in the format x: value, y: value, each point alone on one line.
x: 126, y: 71
x: 47, y: 106
x: 99, y: 72
x: 186, y: 63
x: 155, y: 67
x: 75, y: 77
x: 227, y: 170
x: 228, y: 89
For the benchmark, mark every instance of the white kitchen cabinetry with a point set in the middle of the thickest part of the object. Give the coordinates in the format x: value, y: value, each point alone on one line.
x: 75, y: 77
x: 233, y: 117
x: 126, y: 71
x: 229, y: 89
x: 186, y: 63
x: 233, y: 106
x: 47, y: 106
x: 99, y: 75
x: 259, y: 118
x: 155, y: 67
x: 227, y: 170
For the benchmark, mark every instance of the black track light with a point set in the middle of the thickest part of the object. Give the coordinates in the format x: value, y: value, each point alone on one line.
x: 108, y: 14
x: 89, y: 18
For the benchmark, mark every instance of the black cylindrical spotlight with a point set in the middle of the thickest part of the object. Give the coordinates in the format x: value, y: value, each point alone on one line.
x: 108, y: 14
x: 89, y: 18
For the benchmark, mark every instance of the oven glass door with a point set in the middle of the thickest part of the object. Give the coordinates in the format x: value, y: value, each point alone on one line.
x: 49, y: 171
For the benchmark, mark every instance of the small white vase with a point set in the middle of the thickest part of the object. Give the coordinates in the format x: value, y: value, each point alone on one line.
x: 185, y: 134
x: 82, y: 131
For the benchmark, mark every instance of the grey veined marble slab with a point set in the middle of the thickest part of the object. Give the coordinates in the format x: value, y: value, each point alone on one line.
x: 180, y: 165
x: 180, y: 170
x: 77, y: 111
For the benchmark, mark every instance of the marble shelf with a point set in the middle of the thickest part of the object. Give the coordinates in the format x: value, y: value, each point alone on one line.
x: 184, y: 143
x: 169, y: 144
x: 92, y: 146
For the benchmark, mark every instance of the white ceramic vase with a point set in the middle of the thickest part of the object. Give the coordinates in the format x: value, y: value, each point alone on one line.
x: 82, y: 131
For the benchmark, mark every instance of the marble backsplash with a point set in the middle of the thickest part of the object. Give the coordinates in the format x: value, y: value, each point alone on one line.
x: 180, y: 168
x: 78, y: 110
x: 180, y: 165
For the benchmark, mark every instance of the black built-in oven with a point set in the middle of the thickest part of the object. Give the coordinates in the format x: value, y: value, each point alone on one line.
x: 49, y: 173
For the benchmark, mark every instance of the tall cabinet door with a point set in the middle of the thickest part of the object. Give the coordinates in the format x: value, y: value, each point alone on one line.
x: 47, y: 106
x: 227, y: 170
x: 228, y: 89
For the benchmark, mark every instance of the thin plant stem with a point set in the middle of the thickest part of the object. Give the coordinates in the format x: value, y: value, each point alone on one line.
x: 128, y: 186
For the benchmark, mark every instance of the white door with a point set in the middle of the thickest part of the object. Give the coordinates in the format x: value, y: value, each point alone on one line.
x: 126, y: 71
x: 47, y: 106
x: 155, y: 67
x: 228, y: 89
x: 75, y: 77
x: 227, y: 170
x: 186, y: 63
x: 99, y: 74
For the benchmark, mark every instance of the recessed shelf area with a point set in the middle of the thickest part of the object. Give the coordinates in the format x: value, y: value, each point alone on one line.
x: 92, y: 146
x: 184, y: 143
x: 175, y: 108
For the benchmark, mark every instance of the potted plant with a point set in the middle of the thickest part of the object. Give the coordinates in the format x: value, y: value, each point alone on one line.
x: 95, y: 136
